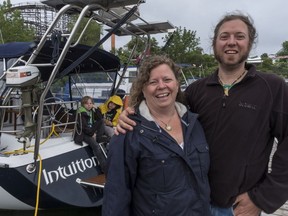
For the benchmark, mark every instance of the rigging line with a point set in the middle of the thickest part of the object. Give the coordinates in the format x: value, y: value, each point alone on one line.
x: 38, y: 186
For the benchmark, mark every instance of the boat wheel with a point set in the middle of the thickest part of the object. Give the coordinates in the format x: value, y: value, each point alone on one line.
x: 55, y: 112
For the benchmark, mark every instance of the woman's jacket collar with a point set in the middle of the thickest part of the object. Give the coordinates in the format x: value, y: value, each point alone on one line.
x: 144, y: 111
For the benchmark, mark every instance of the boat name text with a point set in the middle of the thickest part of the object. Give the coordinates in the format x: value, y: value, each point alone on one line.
x: 63, y: 172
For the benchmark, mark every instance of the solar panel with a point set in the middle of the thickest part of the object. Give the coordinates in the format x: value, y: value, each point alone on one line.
x: 145, y: 28
x: 104, y: 3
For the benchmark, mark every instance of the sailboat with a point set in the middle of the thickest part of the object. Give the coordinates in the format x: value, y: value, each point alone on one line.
x: 40, y: 165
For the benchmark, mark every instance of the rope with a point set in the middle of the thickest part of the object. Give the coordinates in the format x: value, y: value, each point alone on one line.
x: 51, y: 133
x: 38, y: 179
x: 38, y: 186
x: 26, y: 151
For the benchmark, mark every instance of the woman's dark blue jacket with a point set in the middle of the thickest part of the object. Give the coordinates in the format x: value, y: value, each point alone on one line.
x: 150, y: 174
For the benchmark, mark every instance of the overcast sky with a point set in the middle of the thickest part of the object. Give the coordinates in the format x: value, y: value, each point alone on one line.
x: 202, y: 16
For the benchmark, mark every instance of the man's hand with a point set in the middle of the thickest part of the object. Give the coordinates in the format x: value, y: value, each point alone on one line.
x: 124, y: 123
x: 245, y: 206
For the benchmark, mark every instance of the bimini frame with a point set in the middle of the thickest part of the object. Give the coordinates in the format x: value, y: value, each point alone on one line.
x: 103, y: 11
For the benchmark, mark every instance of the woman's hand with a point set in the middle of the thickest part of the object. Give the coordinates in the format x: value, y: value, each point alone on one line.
x: 125, y: 123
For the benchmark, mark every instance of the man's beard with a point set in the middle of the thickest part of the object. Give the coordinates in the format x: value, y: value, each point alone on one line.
x: 221, y: 60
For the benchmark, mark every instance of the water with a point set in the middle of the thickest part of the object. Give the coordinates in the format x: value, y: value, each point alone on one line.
x: 60, y: 212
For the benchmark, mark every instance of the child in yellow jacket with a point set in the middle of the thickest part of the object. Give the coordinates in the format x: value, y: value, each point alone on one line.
x: 111, y: 110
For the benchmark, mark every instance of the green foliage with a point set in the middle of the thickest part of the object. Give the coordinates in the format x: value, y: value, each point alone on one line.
x: 181, y: 45
x: 284, y: 50
x: 284, y: 53
x: 91, y: 34
x: 279, y: 68
x: 12, y: 25
x: 267, y: 63
x: 58, y: 84
x: 143, y: 46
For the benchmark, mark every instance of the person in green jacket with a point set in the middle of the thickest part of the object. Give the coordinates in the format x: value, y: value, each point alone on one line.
x: 90, y: 127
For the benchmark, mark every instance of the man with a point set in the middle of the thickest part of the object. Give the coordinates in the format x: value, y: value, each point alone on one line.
x: 241, y: 110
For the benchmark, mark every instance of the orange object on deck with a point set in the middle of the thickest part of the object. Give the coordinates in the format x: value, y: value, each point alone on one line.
x: 126, y: 101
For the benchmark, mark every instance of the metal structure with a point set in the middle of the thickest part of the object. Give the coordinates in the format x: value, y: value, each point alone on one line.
x: 40, y: 16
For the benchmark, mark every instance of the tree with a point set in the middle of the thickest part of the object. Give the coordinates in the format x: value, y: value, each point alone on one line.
x: 279, y: 67
x: 144, y: 47
x: 92, y: 33
x: 181, y: 45
x: 12, y: 26
x: 267, y: 63
x: 283, y: 53
x: 284, y: 50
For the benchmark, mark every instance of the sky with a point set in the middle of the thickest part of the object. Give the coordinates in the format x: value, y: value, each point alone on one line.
x: 202, y: 16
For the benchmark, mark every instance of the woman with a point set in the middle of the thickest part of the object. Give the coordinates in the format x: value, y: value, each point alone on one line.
x: 159, y: 168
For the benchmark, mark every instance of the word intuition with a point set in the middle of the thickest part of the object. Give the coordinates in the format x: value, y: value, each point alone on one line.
x: 64, y: 172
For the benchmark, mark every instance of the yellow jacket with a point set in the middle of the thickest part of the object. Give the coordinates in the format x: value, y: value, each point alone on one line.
x: 104, y: 108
